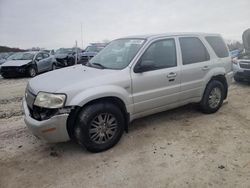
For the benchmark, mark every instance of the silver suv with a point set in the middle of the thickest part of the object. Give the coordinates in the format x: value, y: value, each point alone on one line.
x: 130, y: 78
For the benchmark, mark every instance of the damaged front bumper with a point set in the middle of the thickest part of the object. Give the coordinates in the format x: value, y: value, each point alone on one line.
x: 52, y: 130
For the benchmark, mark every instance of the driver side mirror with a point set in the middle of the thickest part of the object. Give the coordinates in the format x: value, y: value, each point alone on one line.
x: 144, y: 66
x: 39, y: 58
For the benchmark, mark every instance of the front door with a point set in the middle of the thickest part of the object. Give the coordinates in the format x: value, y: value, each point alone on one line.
x: 156, y: 77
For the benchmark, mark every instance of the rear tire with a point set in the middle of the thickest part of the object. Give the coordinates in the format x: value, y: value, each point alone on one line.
x: 99, y: 126
x: 213, y: 97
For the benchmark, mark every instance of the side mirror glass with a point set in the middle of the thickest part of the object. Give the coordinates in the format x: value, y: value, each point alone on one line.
x: 39, y: 58
x: 144, y: 66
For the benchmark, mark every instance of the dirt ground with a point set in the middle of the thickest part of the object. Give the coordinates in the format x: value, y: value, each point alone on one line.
x: 178, y: 148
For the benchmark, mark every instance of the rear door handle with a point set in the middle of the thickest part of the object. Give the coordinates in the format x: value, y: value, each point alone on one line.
x: 205, y: 68
x: 171, y: 75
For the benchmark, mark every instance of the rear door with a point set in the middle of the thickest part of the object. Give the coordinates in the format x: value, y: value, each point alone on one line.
x: 195, y: 65
x: 159, y: 84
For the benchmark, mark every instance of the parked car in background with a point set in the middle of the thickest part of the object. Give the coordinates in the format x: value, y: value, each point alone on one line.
x: 66, y: 56
x: 4, y: 56
x: 235, y: 53
x: 91, y: 51
x: 241, y: 67
x: 130, y: 78
x: 27, y: 63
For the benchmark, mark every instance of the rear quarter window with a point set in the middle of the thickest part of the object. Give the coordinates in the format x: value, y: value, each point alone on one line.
x: 218, y: 46
x: 193, y: 50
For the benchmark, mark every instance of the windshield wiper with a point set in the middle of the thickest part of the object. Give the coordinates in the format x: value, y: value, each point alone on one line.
x: 99, y: 65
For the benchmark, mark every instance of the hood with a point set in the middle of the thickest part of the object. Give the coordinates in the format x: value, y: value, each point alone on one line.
x: 2, y: 61
x: 63, y: 80
x: 16, y: 63
x: 246, y: 39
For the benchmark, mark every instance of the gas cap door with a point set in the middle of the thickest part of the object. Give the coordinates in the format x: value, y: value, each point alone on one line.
x: 246, y: 39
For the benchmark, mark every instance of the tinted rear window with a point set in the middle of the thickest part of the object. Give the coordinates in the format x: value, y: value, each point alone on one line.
x: 193, y: 50
x: 218, y: 46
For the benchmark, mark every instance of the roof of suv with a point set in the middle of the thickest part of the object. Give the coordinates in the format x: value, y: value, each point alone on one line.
x: 152, y: 36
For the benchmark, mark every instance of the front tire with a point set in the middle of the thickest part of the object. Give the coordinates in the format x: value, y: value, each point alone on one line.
x: 99, y: 126
x: 5, y: 76
x: 32, y: 72
x: 213, y: 97
x: 53, y: 67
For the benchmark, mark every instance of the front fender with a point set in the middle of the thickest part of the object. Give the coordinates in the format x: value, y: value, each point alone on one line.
x: 91, y: 94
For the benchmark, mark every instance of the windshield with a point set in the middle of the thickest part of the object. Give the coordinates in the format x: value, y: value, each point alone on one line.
x: 118, y: 54
x: 21, y: 56
x: 13, y: 56
x: 64, y: 51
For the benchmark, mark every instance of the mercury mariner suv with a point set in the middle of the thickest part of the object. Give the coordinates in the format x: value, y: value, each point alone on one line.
x: 130, y: 78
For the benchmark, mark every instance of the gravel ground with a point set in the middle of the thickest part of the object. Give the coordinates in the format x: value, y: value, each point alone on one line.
x: 177, y: 148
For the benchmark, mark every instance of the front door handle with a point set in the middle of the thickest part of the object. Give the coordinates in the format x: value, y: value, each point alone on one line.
x: 171, y: 75
x: 205, y: 68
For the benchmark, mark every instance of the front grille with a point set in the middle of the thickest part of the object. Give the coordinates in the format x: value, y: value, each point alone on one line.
x: 245, y: 65
x: 9, y: 69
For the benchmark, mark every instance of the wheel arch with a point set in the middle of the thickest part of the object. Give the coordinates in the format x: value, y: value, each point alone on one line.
x: 33, y: 64
x: 110, y: 99
x: 221, y: 78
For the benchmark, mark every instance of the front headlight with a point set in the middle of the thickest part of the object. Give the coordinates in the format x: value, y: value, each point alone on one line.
x: 50, y: 100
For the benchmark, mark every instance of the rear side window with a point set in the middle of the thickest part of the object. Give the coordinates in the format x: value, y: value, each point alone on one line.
x: 193, y: 50
x: 218, y: 46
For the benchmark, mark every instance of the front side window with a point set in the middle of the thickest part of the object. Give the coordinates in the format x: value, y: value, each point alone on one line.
x: 193, y: 50
x: 159, y: 55
x: 218, y: 46
x: 45, y: 55
x: 118, y: 54
x: 39, y: 56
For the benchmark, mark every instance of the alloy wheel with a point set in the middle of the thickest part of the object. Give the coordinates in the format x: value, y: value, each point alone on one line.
x: 103, y: 128
x: 214, y: 97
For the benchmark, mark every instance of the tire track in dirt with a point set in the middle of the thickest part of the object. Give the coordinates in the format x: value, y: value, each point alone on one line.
x: 10, y: 107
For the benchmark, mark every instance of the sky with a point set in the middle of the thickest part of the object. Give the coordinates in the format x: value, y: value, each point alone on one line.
x: 53, y: 24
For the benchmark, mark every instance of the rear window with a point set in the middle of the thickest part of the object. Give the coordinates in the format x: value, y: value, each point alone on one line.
x: 218, y: 46
x: 193, y: 50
